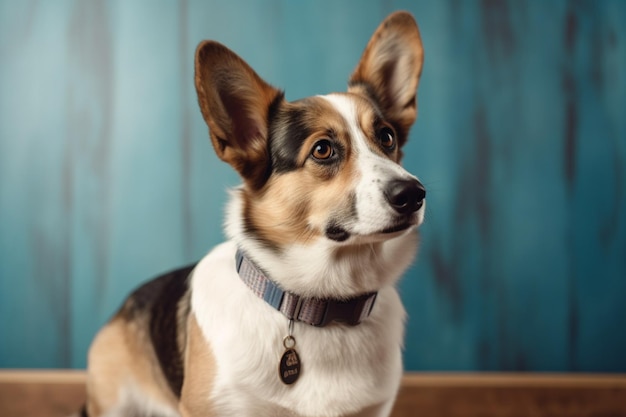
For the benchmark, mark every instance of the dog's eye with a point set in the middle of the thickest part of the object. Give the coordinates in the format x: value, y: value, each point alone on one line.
x: 322, y: 150
x: 387, y: 138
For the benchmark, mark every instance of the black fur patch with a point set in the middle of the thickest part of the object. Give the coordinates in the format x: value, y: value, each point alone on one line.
x: 288, y: 130
x: 290, y: 127
x: 159, y: 302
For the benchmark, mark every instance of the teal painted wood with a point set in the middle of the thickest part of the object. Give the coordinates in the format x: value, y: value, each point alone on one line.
x: 523, y: 147
x: 107, y: 176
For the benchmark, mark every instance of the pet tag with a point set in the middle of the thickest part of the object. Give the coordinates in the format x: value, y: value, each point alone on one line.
x: 289, y: 368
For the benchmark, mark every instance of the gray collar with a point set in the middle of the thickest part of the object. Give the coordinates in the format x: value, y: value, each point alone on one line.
x: 314, y: 311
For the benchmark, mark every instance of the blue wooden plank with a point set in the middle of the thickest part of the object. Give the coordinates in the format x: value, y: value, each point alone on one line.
x: 34, y: 237
x: 500, y: 245
x: 107, y: 176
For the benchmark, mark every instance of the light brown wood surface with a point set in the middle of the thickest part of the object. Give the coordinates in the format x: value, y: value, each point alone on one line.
x: 60, y: 393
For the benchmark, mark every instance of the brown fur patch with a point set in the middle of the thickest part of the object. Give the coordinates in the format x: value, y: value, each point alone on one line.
x: 295, y: 206
x: 121, y: 354
x: 200, y: 370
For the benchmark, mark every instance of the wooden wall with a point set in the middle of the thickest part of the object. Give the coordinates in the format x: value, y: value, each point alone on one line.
x: 107, y: 176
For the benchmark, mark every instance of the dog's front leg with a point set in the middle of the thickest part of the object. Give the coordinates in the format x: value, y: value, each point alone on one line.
x: 200, y: 368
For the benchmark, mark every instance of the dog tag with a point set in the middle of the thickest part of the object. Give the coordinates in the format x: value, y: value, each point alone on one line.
x: 289, y: 368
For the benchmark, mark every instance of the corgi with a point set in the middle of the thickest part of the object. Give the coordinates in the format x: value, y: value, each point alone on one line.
x: 297, y: 313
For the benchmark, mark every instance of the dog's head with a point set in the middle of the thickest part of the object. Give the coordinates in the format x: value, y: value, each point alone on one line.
x: 324, y: 167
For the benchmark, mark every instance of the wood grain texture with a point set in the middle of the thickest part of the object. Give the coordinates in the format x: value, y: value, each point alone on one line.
x: 59, y: 393
x: 41, y: 393
x: 511, y: 395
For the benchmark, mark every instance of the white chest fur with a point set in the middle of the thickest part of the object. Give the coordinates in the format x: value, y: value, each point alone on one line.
x: 344, y: 369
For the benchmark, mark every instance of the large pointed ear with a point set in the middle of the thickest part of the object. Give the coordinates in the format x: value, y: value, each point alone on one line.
x: 235, y: 103
x: 389, y: 71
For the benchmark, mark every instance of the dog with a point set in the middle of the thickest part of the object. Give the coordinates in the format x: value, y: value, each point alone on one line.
x: 297, y: 313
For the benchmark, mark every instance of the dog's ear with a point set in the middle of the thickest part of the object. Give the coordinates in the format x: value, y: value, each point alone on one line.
x: 389, y: 71
x: 235, y: 103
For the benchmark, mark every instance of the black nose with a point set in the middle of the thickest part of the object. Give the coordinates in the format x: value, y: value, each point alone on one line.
x: 405, y: 196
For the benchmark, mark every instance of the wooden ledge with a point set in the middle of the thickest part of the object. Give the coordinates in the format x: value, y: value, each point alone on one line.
x: 511, y: 395
x: 511, y: 380
x: 36, y: 376
x: 53, y: 393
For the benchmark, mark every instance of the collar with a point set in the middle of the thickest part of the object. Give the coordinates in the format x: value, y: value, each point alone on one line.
x: 314, y: 311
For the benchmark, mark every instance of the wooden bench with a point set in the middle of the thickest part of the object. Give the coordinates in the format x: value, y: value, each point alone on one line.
x: 25, y: 393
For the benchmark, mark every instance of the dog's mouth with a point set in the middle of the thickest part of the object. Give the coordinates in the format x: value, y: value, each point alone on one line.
x: 340, y: 234
x: 397, y: 228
